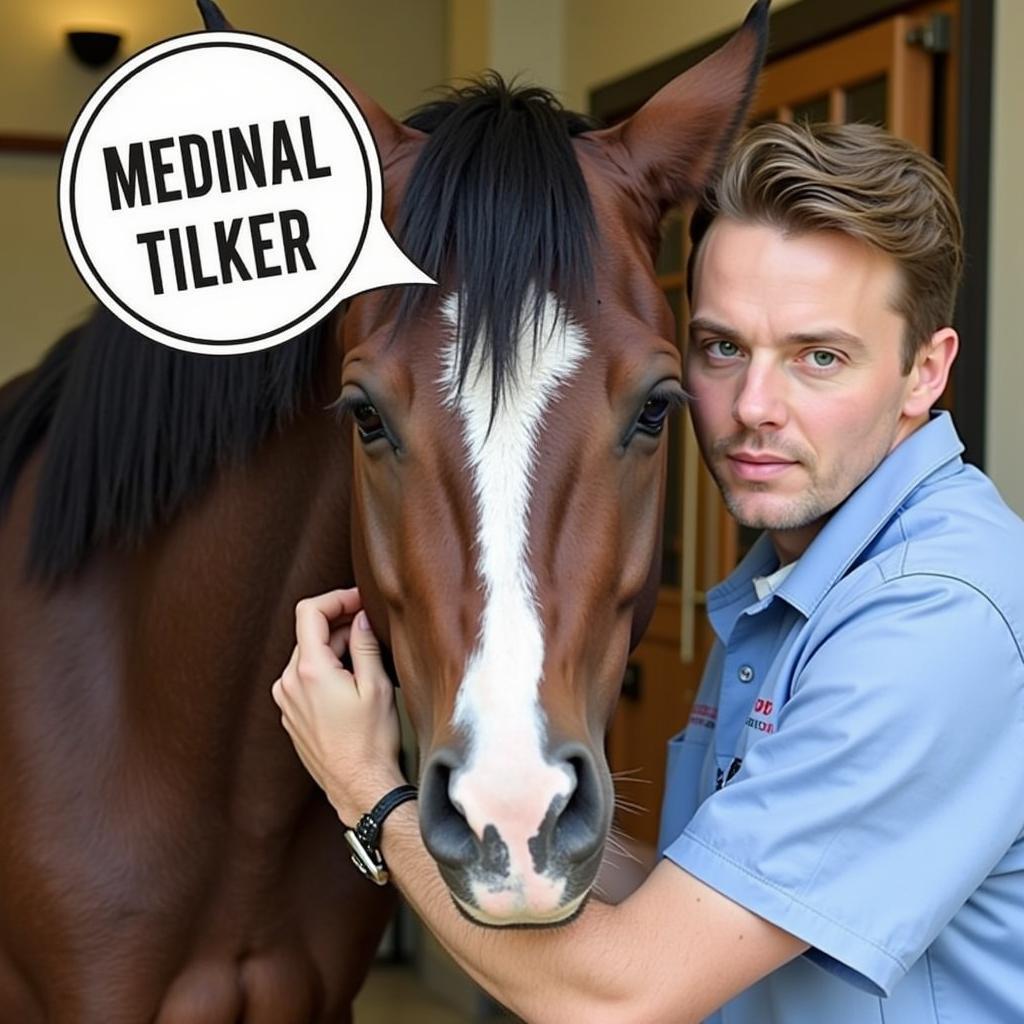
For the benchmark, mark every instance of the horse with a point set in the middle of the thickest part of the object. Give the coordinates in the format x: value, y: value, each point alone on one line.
x: 485, y: 459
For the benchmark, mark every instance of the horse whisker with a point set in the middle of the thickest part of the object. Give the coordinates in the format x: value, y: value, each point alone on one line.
x: 629, y: 807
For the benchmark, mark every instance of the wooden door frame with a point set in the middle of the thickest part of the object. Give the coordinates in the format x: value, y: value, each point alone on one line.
x: 807, y: 23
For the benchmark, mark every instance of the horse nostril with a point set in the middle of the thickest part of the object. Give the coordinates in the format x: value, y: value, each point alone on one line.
x: 577, y: 831
x: 446, y: 833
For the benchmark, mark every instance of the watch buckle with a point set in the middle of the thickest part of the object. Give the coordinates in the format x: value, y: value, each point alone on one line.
x: 371, y: 866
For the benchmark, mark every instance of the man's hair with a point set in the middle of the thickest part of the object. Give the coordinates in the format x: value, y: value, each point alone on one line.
x: 860, y: 180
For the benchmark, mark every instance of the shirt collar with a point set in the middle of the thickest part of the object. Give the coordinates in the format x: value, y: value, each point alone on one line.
x: 765, y: 585
x: 852, y: 527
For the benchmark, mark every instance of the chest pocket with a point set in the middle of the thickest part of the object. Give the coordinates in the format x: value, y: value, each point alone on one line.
x: 689, y: 762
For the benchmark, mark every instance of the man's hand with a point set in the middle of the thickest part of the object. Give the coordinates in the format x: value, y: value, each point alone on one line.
x: 343, y: 724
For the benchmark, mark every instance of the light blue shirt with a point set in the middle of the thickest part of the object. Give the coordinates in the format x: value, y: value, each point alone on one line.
x: 853, y: 767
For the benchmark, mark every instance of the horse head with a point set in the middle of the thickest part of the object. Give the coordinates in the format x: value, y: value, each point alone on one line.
x: 509, y: 454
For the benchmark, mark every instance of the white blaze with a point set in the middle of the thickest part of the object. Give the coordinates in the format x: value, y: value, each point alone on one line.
x: 507, y: 780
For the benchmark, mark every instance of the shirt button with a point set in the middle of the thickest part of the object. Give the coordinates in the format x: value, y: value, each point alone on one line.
x: 746, y: 674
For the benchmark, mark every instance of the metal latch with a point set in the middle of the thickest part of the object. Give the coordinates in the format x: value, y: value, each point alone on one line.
x: 934, y: 36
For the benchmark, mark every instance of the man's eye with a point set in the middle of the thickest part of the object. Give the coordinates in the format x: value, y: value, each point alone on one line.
x: 724, y: 349
x: 822, y: 359
x: 368, y: 421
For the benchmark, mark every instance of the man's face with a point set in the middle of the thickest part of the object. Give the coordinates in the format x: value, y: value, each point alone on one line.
x: 794, y: 365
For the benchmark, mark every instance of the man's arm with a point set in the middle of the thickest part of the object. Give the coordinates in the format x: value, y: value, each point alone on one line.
x: 673, y: 951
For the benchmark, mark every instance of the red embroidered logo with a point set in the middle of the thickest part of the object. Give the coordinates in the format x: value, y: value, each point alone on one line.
x: 703, y: 715
x: 762, y: 712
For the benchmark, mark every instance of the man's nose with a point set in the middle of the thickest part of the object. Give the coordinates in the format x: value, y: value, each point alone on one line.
x: 761, y: 401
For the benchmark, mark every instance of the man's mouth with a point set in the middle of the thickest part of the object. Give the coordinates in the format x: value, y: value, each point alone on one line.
x: 758, y: 466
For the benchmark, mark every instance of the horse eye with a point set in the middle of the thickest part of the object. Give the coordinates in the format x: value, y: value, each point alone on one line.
x: 368, y: 422
x: 652, y: 418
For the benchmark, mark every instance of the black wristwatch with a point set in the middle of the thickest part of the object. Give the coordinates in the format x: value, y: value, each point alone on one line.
x: 363, y: 838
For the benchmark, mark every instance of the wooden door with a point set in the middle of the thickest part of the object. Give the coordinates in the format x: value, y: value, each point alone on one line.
x: 885, y: 73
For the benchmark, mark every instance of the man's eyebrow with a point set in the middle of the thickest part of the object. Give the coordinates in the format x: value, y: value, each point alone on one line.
x: 830, y: 335
x: 703, y: 323
x: 827, y: 335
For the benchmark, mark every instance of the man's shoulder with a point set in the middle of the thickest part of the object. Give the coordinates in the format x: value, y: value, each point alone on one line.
x: 957, y: 525
x: 955, y: 532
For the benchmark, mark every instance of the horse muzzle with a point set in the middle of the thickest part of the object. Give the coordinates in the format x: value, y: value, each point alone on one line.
x: 517, y: 844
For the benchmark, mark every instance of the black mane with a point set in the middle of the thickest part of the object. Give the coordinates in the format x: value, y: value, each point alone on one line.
x: 134, y: 428
x: 497, y: 210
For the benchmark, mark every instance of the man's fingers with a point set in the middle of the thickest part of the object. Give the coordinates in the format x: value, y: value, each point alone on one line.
x: 313, y: 618
x: 287, y: 673
x: 313, y: 615
x: 339, y: 640
x: 367, y: 666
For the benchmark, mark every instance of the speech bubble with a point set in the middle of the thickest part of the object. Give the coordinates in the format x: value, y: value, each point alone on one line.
x: 221, y: 192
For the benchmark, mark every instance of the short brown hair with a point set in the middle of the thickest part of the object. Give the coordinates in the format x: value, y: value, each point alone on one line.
x: 862, y: 181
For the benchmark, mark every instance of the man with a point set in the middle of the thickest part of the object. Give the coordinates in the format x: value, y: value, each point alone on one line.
x: 842, y: 825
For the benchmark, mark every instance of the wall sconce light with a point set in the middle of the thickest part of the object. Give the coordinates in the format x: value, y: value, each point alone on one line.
x: 94, y: 49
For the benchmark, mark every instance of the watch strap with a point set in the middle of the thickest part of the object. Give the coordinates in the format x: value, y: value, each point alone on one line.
x: 363, y: 839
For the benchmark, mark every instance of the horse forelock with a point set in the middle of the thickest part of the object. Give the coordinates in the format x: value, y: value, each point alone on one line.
x: 497, y: 209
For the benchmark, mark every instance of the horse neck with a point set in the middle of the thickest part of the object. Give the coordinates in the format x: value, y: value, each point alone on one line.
x: 214, y: 594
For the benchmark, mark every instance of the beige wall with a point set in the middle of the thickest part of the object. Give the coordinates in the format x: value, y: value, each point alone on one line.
x: 518, y: 38
x: 606, y: 39
x: 1005, y: 420
x: 40, y: 289
x: 468, y: 37
x: 394, y: 49
x: 528, y: 39
x: 571, y: 46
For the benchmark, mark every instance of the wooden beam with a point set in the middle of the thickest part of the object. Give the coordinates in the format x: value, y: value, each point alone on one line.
x: 31, y: 144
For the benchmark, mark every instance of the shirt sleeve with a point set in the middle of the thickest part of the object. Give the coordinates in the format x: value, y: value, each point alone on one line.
x: 891, y: 788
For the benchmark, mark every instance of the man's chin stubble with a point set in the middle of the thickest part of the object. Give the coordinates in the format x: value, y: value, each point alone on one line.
x: 794, y: 518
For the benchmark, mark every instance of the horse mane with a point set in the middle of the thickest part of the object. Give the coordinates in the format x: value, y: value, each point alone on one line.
x: 497, y: 209
x: 134, y: 429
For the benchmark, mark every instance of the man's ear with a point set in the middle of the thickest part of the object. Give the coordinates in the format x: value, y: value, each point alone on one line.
x: 930, y: 372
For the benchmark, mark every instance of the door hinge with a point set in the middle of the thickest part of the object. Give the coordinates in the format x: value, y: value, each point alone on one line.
x: 934, y: 36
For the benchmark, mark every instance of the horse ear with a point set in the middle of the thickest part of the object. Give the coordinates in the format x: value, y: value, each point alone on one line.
x: 387, y: 132
x: 213, y: 17
x: 676, y: 142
